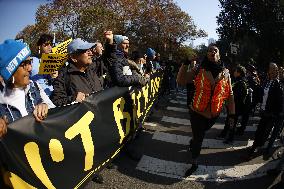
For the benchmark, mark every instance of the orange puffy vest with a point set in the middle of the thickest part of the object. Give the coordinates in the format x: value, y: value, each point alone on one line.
x: 205, y: 95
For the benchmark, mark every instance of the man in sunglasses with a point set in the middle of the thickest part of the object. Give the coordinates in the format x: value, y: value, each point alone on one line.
x: 79, y: 78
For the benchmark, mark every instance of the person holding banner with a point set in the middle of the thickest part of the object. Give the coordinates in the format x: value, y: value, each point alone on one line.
x: 44, y: 47
x: 79, y: 78
x: 19, y: 95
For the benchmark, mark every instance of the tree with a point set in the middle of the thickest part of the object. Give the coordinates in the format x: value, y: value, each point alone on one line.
x: 159, y: 24
x: 257, y: 26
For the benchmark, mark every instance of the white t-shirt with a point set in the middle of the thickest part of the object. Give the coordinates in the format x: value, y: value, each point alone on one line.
x: 17, y: 98
x: 265, y: 95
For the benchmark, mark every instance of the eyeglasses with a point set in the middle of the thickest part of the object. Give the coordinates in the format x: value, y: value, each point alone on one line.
x: 26, y: 63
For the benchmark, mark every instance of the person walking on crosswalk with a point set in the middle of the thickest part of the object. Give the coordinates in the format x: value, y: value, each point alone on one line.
x: 212, y: 88
x: 271, y: 108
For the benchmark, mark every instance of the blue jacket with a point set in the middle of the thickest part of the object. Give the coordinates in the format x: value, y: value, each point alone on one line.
x: 44, y: 80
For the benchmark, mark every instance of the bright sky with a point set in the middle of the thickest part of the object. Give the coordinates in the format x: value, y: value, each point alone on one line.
x: 16, y: 14
x: 204, y: 14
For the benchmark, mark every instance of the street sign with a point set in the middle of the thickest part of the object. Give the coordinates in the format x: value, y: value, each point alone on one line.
x: 234, y: 48
x: 170, y: 56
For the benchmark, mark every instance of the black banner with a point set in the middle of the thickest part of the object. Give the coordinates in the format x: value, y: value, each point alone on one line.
x: 75, y: 141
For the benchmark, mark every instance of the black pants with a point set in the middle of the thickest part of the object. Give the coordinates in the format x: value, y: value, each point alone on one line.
x: 228, y: 129
x: 264, y: 128
x: 278, y: 126
x: 199, y: 125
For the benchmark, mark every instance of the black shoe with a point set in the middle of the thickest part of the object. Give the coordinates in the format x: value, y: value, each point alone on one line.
x: 240, y: 132
x: 273, y: 172
x: 191, y: 170
x: 228, y: 141
x: 250, y: 154
x: 221, y: 136
x: 111, y: 166
x: 98, y: 179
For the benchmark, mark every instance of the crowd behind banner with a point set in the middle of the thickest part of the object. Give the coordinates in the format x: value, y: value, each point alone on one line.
x: 70, y: 104
x: 57, y: 109
x: 75, y: 141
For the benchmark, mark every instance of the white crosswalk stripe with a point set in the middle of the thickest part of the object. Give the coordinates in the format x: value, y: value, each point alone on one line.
x: 204, y: 173
x: 177, y: 109
x: 207, y: 143
x: 178, y: 102
x: 211, y: 173
x: 182, y: 121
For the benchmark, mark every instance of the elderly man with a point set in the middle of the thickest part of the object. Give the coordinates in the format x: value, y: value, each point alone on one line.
x: 121, y: 70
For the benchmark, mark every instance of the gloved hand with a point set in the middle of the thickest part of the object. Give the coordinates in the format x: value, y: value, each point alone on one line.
x: 144, y: 80
x: 133, y: 65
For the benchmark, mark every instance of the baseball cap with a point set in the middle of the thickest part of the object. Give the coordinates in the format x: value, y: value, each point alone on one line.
x: 79, y: 44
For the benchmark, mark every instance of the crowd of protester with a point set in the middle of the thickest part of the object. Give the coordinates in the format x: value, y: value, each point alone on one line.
x: 90, y: 68
x: 245, y: 94
x: 93, y: 67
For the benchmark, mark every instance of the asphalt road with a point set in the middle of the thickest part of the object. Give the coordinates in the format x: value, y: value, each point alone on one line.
x: 159, y: 156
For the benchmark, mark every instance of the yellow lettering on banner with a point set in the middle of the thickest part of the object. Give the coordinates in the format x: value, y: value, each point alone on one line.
x: 145, y: 90
x: 17, y: 182
x: 153, y: 89
x: 82, y: 127
x: 32, y: 153
x: 56, y: 150
x: 119, y: 115
x: 157, y: 80
x: 139, y: 113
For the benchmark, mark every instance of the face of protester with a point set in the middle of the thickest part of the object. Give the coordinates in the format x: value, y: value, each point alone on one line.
x: 125, y: 46
x: 46, y: 48
x: 236, y: 74
x: 98, y: 50
x: 83, y: 57
x: 273, y: 71
x: 213, y: 54
x: 22, y: 74
x: 141, y: 61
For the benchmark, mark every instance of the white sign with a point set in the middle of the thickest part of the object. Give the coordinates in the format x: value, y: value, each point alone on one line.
x: 170, y: 57
x: 234, y: 48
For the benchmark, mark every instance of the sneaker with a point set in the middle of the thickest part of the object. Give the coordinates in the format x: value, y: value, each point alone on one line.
x: 191, y: 170
x: 240, y: 132
x: 273, y: 172
x: 98, y: 178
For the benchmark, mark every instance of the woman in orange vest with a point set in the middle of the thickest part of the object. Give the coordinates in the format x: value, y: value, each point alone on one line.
x: 212, y: 88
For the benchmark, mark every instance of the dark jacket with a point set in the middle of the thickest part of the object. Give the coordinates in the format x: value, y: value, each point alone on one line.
x: 240, y: 95
x: 116, y: 60
x: 71, y: 80
x: 275, y: 99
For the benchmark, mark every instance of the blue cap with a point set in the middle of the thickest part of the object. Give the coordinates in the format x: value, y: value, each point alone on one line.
x: 12, y: 54
x: 120, y: 38
x: 79, y: 44
x: 150, y: 52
